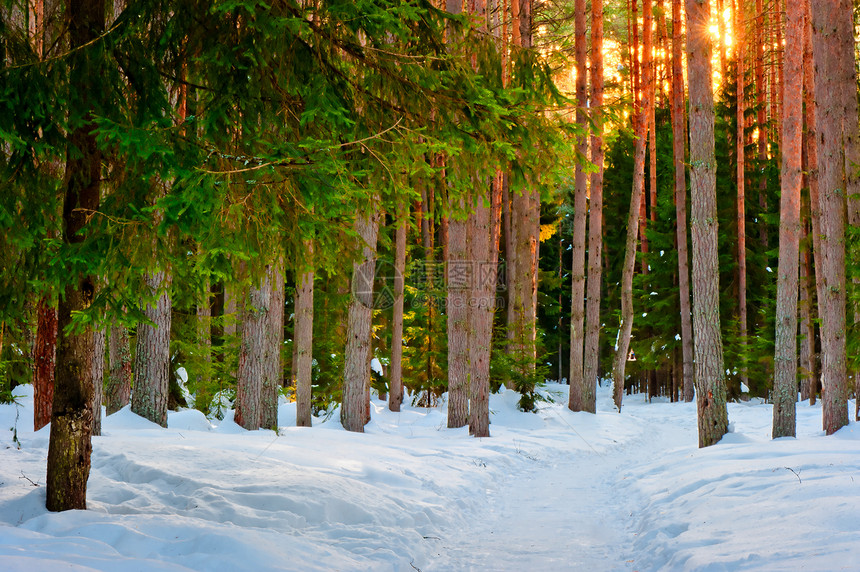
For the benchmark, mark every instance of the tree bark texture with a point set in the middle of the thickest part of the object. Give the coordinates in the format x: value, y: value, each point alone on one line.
x: 44, y: 362
x: 356, y: 376
x: 577, y: 272
x: 70, y: 444
x: 710, y: 380
x: 152, y: 358
x: 118, y: 387
x: 273, y: 367
x: 829, y: 114
x: 741, y: 182
x: 98, y: 379
x: 204, y: 337
x: 460, y: 274
x: 249, y: 379
x: 785, y: 347
x: 304, y: 334
x: 635, y: 215
x: 595, y: 217
x: 395, y: 389
x: 679, y: 135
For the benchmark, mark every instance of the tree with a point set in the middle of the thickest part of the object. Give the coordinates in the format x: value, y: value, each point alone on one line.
x: 152, y: 356
x: 635, y: 215
x: 395, y: 391
x: 785, y: 351
x: 70, y: 445
x: 303, y: 337
x: 829, y: 115
x: 678, y: 139
x: 250, y: 375
x: 118, y: 386
x: 740, y: 150
x: 44, y: 361
x: 710, y: 380
x: 273, y: 368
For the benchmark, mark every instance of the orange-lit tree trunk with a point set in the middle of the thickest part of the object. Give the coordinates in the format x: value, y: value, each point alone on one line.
x: 740, y: 28
x: 577, y: 297
x: 761, y: 102
x: 785, y: 346
x: 710, y: 380
x: 626, y: 327
x: 679, y: 135
x: 829, y: 115
x: 595, y: 216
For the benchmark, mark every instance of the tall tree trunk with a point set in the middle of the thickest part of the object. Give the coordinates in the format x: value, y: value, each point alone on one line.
x: 595, y: 216
x: 710, y: 380
x: 118, y: 387
x: 273, y: 368
x: 249, y: 378
x: 679, y: 134
x: 785, y: 346
x: 626, y: 329
x: 152, y: 358
x: 460, y: 270
x: 829, y: 114
x: 811, y: 146
x: 44, y: 358
x: 98, y: 379
x: 356, y: 367
x: 204, y: 336
x: 304, y: 333
x: 395, y: 393
x: 577, y: 290
x: 70, y: 444
x: 741, y: 185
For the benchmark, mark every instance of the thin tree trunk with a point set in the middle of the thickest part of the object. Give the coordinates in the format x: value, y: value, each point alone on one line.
x: 710, y: 380
x: 626, y: 329
x: 678, y: 144
x: 785, y: 346
x: 829, y: 115
x: 70, y: 444
x: 761, y: 100
x: 98, y: 379
x: 118, y: 387
x: 741, y: 185
x: 44, y: 357
x: 460, y: 273
x: 595, y: 216
x: 303, y: 340
x: 204, y: 337
x: 577, y: 290
x: 395, y: 393
x: 357, y: 355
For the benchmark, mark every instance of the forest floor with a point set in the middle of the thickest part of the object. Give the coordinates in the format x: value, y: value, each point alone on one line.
x: 554, y: 490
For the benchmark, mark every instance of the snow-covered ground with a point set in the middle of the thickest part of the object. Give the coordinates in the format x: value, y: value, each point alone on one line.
x: 549, y: 491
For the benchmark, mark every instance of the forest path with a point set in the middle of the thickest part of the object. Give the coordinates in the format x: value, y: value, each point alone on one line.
x: 564, y: 510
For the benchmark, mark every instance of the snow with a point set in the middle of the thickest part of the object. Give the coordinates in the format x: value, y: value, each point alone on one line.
x: 376, y: 366
x: 554, y: 490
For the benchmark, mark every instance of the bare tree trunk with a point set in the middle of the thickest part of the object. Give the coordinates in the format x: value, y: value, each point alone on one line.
x: 152, y: 359
x: 577, y: 290
x: 303, y: 340
x: 595, y: 216
x: 356, y: 368
x: 829, y: 113
x: 626, y: 329
x: 395, y: 393
x: 710, y: 380
x: 460, y: 273
x: 785, y: 347
x: 204, y: 336
x: 249, y: 379
x: 70, y: 445
x: 741, y: 185
x: 98, y: 379
x: 679, y: 135
x: 273, y: 368
x: 118, y: 388
x: 761, y: 100
x: 44, y: 358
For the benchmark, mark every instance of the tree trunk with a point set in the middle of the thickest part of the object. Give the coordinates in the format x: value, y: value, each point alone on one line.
x: 741, y: 185
x: 395, y: 393
x: 118, y: 387
x: 70, y: 444
x: 710, y: 380
x: 356, y: 367
x: 829, y: 114
x: 249, y: 379
x: 626, y: 328
x: 303, y: 340
x: 204, y: 337
x: 44, y: 359
x: 595, y: 216
x: 152, y: 359
x: 577, y: 290
x: 785, y: 346
x: 679, y: 134
x: 460, y: 273
x: 98, y: 379
x: 273, y: 367
x: 761, y: 100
